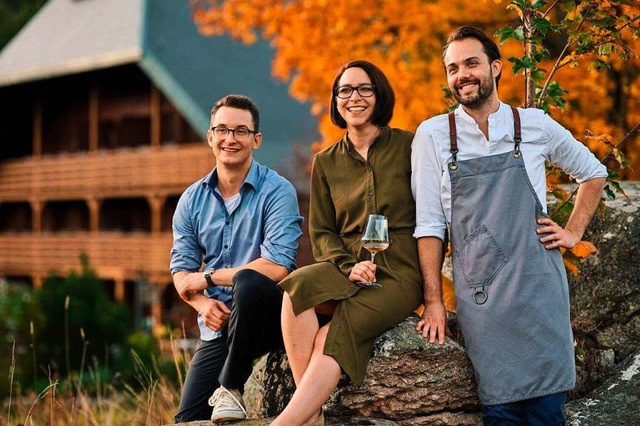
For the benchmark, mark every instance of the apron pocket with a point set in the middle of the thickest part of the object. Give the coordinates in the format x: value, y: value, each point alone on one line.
x: 480, y: 257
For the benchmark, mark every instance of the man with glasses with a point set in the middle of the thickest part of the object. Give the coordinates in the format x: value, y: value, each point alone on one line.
x: 241, y: 222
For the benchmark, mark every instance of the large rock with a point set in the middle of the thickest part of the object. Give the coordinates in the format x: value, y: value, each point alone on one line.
x: 605, y: 296
x: 408, y: 380
x: 614, y: 403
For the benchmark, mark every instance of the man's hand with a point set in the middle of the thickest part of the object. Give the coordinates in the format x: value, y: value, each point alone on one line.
x: 214, y: 313
x: 557, y: 235
x: 363, y: 272
x: 434, y: 322
x: 191, y: 283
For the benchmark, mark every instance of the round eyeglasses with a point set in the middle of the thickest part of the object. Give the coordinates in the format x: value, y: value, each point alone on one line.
x: 364, y: 90
x: 239, y: 133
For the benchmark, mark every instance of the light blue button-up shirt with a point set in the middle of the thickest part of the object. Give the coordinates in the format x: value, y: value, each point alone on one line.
x: 265, y: 223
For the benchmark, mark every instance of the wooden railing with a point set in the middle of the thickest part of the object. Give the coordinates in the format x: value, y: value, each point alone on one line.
x: 166, y: 170
x: 113, y: 255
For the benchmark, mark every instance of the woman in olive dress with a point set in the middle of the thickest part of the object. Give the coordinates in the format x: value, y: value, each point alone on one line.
x: 329, y: 323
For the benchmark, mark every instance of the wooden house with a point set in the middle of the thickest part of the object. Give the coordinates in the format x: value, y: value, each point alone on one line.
x: 104, y: 107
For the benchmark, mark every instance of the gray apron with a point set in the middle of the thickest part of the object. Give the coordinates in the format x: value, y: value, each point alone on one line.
x: 512, y: 294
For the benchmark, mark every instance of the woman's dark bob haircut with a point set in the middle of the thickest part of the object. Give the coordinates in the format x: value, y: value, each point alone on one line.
x: 385, y: 98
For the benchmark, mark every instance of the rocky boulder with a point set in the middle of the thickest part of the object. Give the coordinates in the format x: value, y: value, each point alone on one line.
x: 408, y: 381
x: 614, y: 403
x: 605, y: 296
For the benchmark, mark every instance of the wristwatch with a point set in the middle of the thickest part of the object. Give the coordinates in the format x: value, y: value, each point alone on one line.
x: 208, y: 276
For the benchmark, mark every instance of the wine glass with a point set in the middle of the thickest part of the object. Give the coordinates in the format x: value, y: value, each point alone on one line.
x: 375, y: 239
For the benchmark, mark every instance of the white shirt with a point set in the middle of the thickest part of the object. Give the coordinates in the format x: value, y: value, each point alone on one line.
x: 543, y: 139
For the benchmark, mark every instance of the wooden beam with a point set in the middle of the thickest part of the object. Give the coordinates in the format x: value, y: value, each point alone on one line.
x: 156, y: 304
x: 156, y: 114
x: 94, y: 117
x: 36, y: 216
x: 37, y: 128
x: 156, y: 203
x: 94, y: 214
x: 119, y: 291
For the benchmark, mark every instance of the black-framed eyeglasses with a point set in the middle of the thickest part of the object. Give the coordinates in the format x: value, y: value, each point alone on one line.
x: 364, y: 90
x: 239, y: 133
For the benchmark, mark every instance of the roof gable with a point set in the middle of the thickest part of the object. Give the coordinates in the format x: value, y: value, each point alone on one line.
x: 193, y: 71
x: 71, y: 36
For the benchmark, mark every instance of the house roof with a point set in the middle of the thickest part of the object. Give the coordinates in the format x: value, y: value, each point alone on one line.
x: 69, y: 37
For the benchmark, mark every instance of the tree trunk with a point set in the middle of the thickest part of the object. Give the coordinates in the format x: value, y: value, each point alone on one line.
x: 529, y: 84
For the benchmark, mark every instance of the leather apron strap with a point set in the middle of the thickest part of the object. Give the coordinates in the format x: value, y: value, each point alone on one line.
x: 453, y: 136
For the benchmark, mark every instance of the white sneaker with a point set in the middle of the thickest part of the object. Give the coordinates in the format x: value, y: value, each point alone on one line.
x: 227, y: 405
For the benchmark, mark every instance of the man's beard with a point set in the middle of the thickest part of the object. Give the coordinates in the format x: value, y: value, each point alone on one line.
x: 485, y: 89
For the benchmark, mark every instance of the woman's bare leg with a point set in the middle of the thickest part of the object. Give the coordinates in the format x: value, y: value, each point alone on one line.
x: 318, y: 381
x: 299, y: 334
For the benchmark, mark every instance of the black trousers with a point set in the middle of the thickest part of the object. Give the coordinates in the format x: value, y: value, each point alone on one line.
x: 253, y: 330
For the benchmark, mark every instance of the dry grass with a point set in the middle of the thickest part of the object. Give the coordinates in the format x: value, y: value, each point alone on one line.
x: 68, y: 404
x: 57, y: 407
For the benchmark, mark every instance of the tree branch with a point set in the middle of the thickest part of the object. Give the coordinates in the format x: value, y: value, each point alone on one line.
x: 555, y: 66
x: 631, y: 132
x: 550, y: 8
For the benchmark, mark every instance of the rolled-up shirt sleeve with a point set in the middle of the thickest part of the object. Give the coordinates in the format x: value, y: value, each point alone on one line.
x: 426, y: 181
x: 186, y: 253
x: 282, y: 226
x: 575, y: 159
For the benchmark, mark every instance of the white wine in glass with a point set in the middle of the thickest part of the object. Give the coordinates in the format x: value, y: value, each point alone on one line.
x: 375, y: 238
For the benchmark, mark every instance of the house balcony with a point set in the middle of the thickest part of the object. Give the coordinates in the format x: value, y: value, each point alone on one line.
x: 158, y: 171
x: 117, y: 256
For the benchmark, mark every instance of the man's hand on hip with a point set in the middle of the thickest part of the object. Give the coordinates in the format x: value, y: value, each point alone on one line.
x: 557, y: 236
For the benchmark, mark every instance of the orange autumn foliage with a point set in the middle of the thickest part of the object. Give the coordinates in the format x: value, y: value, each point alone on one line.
x: 313, y: 38
x: 571, y: 257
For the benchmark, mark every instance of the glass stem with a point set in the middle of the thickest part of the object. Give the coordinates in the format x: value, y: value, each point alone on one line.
x: 373, y: 255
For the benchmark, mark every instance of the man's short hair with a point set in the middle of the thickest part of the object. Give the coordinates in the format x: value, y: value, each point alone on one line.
x: 489, y: 46
x: 385, y: 98
x: 240, y: 102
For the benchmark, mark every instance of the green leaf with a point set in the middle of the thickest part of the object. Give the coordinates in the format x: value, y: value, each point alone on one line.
x: 598, y: 65
x: 540, y: 53
x: 522, y: 3
x: 618, y: 188
x: 605, y: 49
x: 541, y: 25
x: 517, y: 65
x: 538, y: 75
x: 518, y: 33
x: 528, y: 62
x: 568, y: 4
x: 610, y: 193
x: 555, y: 89
x: 538, y: 4
x: 505, y: 34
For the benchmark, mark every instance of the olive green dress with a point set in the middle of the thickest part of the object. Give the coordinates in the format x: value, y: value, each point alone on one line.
x: 345, y: 189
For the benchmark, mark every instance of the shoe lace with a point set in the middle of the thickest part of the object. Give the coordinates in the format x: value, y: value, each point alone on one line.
x: 225, y: 399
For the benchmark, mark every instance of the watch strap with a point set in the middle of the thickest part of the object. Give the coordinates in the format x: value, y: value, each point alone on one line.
x: 208, y: 276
